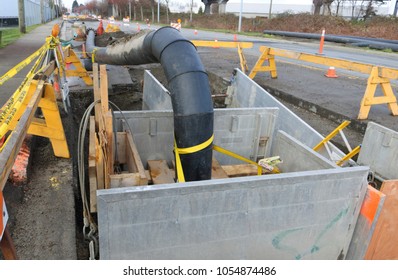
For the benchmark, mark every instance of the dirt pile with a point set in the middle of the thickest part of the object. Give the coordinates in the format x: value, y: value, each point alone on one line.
x: 375, y: 27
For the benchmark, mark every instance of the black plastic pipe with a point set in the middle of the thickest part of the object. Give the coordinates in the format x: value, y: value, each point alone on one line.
x: 373, y: 43
x: 188, y: 85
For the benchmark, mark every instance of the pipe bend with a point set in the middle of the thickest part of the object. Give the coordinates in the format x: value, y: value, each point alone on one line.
x: 188, y: 85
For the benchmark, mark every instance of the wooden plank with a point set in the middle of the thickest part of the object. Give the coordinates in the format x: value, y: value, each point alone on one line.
x: 240, y: 170
x: 132, y: 150
x: 104, y: 89
x: 99, y: 164
x: 217, y: 172
x: 160, y: 172
x: 97, y: 95
x: 109, y: 139
x: 91, y: 166
x: 7, y: 246
x: 10, y: 151
x: 124, y: 180
x: 383, y: 245
x: 121, y: 147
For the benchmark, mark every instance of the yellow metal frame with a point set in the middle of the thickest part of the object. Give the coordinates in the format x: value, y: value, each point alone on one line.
x: 79, y: 71
x: 260, y: 67
x: 377, y: 75
x: 369, y: 99
x: 329, y: 137
x: 239, y: 45
x: 242, y: 59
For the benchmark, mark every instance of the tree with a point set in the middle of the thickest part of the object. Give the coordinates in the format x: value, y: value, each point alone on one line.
x: 317, y: 6
x: 75, y: 5
x: 327, y: 4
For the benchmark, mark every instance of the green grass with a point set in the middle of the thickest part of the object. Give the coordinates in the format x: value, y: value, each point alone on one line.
x: 10, y: 35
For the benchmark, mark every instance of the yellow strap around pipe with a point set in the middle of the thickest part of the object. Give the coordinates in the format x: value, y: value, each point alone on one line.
x: 190, y: 150
x: 196, y: 148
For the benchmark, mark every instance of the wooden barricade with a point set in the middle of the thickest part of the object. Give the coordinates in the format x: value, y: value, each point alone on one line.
x: 378, y: 75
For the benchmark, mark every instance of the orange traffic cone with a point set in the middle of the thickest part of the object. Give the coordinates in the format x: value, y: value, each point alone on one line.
x: 235, y: 37
x: 331, y: 73
x: 100, y: 29
x: 195, y: 32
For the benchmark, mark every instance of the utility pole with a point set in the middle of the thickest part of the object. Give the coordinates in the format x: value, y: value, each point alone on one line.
x: 129, y: 10
x: 42, y: 11
x: 270, y: 9
x: 21, y: 16
x: 240, y: 16
x: 190, y: 17
x: 158, y: 11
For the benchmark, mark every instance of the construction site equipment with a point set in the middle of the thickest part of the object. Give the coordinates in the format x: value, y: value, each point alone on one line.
x: 378, y: 75
x: 331, y: 73
x: 192, y: 109
x: 170, y: 220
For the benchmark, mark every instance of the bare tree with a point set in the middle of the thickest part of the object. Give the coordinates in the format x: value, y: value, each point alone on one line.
x: 326, y: 5
x: 153, y: 10
x: 339, y: 3
x: 317, y: 6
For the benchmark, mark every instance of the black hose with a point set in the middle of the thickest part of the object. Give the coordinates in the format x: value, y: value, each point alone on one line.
x: 188, y: 84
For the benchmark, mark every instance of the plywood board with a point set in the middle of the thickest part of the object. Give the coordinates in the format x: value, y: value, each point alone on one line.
x: 383, y: 245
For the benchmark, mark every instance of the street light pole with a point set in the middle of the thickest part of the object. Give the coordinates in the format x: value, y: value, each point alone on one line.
x: 240, y: 16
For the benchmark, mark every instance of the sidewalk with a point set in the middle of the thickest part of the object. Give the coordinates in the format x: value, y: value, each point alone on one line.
x: 16, y: 52
x: 42, y: 218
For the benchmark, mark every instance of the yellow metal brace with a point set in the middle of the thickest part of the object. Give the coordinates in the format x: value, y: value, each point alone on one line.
x: 325, y: 141
x: 259, y: 67
x: 331, y: 135
x: 349, y: 155
x: 243, y: 62
x: 79, y: 71
x: 369, y: 99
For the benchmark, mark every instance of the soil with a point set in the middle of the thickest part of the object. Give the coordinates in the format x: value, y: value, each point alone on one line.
x: 45, y: 222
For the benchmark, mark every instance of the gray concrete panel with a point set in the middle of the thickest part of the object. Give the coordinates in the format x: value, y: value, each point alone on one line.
x: 239, y: 130
x: 379, y: 151
x: 247, y: 93
x: 296, y: 156
x: 155, y: 95
x: 301, y: 215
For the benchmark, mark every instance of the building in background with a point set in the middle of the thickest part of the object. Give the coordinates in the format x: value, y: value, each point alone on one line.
x: 9, y: 12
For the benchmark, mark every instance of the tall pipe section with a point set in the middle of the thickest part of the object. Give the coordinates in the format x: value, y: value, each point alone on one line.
x: 188, y: 85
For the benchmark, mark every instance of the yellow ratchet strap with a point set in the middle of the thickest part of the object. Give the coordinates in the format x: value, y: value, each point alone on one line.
x: 232, y: 154
x: 190, y: 150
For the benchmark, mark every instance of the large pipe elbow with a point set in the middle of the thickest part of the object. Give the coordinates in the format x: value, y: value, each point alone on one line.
x: 188, y: 85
